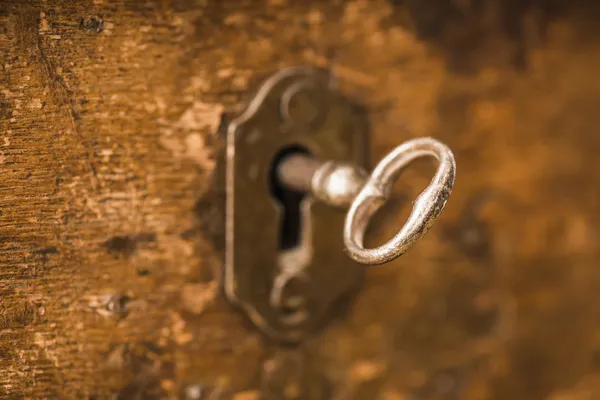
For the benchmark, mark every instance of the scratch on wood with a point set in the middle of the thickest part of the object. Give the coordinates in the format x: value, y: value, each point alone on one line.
x: 63, y: 95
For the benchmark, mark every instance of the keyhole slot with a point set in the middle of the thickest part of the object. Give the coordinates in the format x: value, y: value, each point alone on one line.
x: 290, y: 233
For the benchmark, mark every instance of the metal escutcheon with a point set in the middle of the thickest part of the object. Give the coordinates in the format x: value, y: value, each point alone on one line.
x: 288, y: 290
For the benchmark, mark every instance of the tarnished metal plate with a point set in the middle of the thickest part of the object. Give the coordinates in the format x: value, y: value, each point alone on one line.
x: 289, y: 293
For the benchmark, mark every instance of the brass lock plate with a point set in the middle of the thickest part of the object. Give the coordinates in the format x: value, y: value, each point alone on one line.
x: 285, y: 263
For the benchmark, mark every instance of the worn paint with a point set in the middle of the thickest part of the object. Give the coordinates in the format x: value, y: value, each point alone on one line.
x: 109, y: 114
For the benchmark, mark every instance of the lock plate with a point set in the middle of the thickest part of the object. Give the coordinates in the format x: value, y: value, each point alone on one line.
x: 290, y: 291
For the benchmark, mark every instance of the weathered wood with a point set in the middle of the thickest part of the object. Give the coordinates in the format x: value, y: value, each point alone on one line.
x: 110, y: 227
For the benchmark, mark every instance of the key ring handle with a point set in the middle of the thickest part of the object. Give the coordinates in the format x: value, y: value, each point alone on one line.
x: 426, y: 208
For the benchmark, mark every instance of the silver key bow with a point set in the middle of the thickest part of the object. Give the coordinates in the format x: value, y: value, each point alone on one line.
x: 343, y: 184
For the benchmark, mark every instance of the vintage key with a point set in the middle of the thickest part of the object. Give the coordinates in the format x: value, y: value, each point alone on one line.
x: 347, y: 185
x: 295, y: 156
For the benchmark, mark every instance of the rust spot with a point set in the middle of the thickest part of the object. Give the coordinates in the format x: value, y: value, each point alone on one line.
x: 44, y: 253
x: 92, y: 23
x: 127, y: 244
x: 16, y: 316
x: 46, y: 250
x: 5, y: 109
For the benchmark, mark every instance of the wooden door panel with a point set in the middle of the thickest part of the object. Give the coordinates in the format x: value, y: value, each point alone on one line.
x: 111, y: 221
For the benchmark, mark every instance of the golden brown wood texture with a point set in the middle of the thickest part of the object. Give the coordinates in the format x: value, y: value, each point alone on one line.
x: 110, y: 226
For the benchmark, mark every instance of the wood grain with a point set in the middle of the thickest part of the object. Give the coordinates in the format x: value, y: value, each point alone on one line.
x: 110, y: 219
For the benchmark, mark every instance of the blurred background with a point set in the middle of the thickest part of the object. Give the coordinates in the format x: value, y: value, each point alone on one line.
x: 111, y: 232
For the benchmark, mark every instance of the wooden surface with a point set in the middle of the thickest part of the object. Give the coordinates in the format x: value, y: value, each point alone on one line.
x: 111, y: 231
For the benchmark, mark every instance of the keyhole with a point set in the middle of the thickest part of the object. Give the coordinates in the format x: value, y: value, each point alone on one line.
x: 291, y: 219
